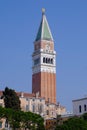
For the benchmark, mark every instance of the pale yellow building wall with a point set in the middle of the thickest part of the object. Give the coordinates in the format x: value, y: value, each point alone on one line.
x: 27, y: 105
x: 2, y: 102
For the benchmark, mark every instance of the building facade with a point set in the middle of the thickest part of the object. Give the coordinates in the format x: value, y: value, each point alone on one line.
x: 79, y: 106
x: 44, y: 63
x: 35, y: 104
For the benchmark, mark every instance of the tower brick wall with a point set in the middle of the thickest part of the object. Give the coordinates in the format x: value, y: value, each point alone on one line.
x: 44, y: 63
x: 45, y: 84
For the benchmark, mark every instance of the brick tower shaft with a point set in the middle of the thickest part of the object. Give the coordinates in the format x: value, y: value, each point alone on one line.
x: 44, y: 63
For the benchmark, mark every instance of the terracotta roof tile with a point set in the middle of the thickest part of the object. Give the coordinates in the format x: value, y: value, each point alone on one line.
x: 25, y: 94
x: 1, y: 93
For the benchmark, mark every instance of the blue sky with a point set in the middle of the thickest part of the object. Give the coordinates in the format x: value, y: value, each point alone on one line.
x: 19, y: 22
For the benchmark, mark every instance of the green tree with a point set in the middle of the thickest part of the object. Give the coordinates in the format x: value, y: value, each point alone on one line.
x: 75, y: 123
x: 21, y: 119
x: 84, y: 116
x: 59, y: 119
x: 32, y: 121
x: 17, y: 118
x: 12, y: 117
x: 2, y: 112
x: 11, y: 99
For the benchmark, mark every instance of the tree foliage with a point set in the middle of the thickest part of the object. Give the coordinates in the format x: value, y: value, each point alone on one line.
x: 17, y: 118
x: 20, y: 119
x: 11, y: 99
x: 75, y: 123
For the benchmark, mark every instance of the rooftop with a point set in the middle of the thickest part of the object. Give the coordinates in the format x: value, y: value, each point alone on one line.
x: 44, y: 32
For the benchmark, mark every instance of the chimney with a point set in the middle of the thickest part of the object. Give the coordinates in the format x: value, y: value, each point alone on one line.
x: 22, y: 94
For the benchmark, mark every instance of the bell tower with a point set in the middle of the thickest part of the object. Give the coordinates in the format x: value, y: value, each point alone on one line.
x: 44, y: 62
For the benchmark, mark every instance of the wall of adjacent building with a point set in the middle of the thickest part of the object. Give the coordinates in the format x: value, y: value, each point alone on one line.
x: 37, y: 105
x: 79, y: 106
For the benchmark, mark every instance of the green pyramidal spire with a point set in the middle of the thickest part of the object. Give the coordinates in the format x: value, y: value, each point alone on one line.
x: 44, y: 32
